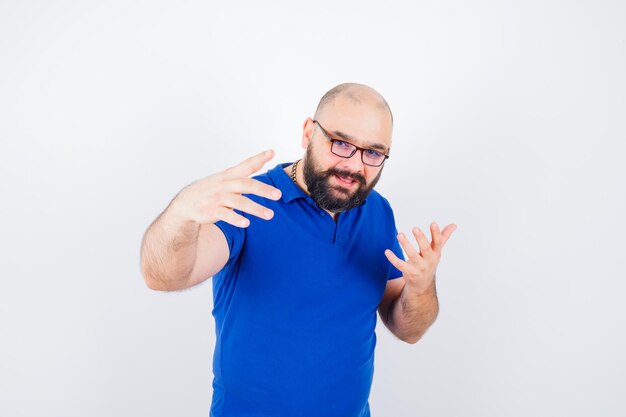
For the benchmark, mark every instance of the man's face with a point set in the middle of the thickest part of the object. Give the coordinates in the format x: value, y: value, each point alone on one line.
x: 338, y: 184
x: 334, y: 189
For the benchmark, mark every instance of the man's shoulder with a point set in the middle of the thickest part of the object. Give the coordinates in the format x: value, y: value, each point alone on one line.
x: 271, y: 175
x: 377, y: 201
x: 275, y: 177
x: 264, y: 177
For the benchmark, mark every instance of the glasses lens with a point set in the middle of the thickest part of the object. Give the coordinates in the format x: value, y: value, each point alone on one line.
x: 341, y: 148
x: 373, y: 157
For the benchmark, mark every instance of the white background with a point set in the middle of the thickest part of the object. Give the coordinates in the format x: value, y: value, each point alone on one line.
x: 510, y: 121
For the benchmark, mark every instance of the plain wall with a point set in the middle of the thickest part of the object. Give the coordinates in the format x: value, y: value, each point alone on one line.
x: 510, y: 121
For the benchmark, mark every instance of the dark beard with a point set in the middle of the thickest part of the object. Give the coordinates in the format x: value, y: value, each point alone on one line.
x: 324, y: 194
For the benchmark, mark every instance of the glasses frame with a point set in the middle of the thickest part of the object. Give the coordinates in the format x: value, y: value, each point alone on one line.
x: 356, y: 148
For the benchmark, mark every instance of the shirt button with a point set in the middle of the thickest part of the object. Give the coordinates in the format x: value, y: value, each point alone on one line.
x: 322, y: 213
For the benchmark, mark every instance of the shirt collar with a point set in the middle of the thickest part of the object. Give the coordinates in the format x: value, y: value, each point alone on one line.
x: 290, y: 190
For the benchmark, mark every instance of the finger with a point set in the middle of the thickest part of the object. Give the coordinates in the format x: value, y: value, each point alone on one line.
x: 447, y: 232
x: 246, y: 205
x: 251, y: 186
x: 395, y: 261
x: 408, y: 247
x: 230, y: 217
x: 422, y: 241
x: 436, y: 235
x: 249, y: 166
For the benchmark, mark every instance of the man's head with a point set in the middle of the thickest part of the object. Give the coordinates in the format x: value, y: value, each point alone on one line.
x: 353, y: 114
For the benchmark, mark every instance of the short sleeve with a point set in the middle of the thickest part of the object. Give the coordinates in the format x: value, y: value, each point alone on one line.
x: 397, y: 249
x: 235, y: 237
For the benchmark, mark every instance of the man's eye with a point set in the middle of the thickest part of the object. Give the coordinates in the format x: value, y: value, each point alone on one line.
x: 373, y: 153
x: 342, y: 144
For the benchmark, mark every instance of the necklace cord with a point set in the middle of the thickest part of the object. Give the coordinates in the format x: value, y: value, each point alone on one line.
x: 293, y: 171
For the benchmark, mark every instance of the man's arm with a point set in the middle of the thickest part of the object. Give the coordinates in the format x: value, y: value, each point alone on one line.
x: 408, y: 315
x: 410, y: 305
x: 177, y: 253
x: 183, y: 246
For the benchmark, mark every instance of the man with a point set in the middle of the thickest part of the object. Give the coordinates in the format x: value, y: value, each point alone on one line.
x: 302, y: 257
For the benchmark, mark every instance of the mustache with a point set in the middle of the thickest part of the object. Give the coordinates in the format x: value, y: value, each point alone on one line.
x: 354, y: 176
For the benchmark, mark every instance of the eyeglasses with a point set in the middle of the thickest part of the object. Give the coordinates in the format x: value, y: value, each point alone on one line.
x: 345, y: 149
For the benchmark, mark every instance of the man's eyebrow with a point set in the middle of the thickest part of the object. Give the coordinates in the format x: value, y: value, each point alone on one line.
x: 346, y: 137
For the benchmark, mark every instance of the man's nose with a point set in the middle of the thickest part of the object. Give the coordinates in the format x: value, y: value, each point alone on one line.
x: 353, y: 164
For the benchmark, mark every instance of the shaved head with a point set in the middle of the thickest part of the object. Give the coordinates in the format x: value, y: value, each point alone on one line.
x: 358, y: 93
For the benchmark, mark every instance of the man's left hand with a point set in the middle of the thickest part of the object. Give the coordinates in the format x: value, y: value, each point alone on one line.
x: 419, y: 269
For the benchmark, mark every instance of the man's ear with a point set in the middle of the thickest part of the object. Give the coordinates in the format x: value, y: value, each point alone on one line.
x: 307, y: 132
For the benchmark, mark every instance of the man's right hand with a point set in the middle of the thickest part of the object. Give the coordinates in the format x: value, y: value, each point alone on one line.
x: 215, y: 198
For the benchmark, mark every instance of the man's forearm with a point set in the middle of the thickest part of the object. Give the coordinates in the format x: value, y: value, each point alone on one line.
x: 168, y: 251
x: 411, y: 314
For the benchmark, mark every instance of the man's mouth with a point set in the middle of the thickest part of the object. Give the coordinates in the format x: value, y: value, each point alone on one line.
x: 346, y: 181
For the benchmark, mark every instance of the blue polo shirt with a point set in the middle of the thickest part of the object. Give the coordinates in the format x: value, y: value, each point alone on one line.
x: 295, y: 307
